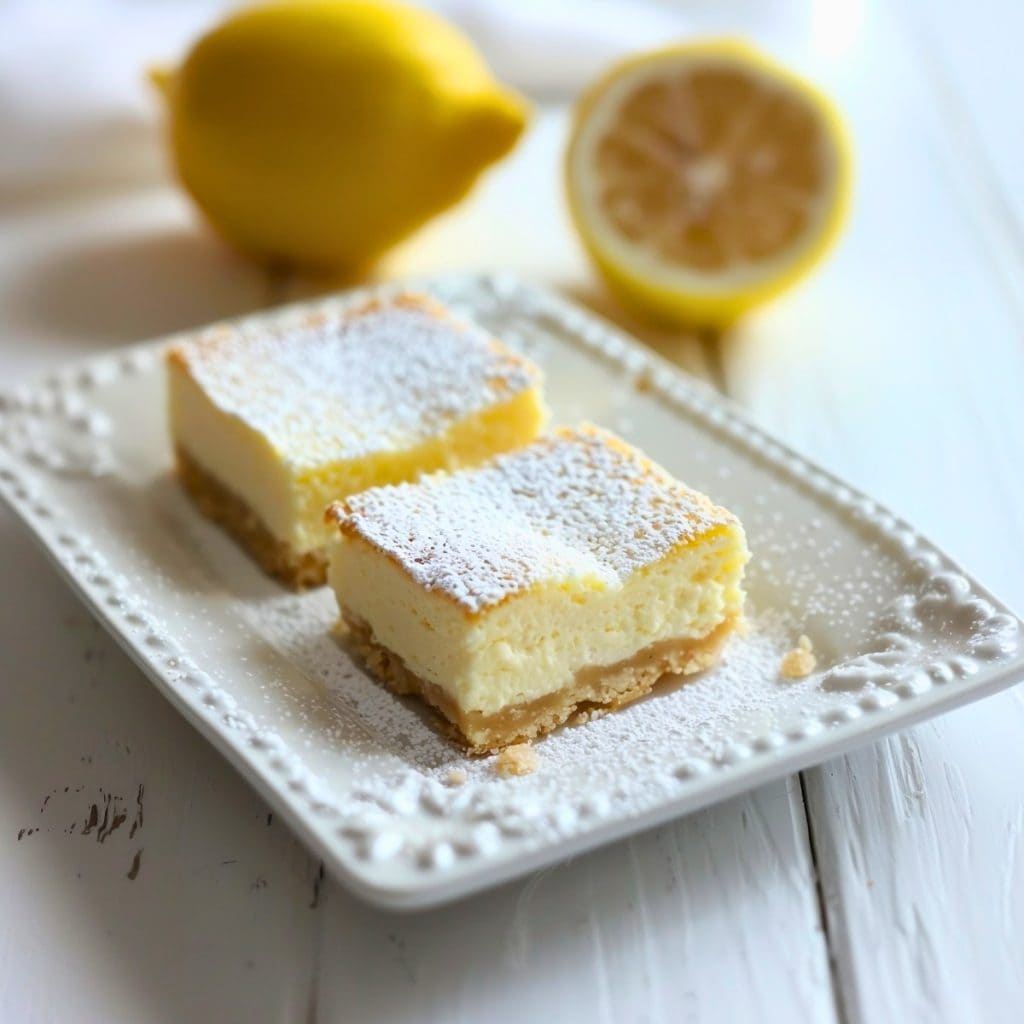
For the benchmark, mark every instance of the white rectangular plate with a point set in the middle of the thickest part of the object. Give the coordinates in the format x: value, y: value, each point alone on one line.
x: 900, y: 632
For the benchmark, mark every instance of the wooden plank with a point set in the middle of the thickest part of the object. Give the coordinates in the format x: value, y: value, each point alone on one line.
x: 712, y: 918
x: 921, y: 850
x: 709, y: 919
x: 901, y: 366
x: 177, y: 899
x: 142, y: 877
x: 973, y: 65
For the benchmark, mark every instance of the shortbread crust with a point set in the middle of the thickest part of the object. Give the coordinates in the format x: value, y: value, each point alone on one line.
x: 596, y: 689
x: 277, y: 558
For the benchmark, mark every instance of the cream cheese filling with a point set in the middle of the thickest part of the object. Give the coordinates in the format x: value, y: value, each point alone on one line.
x: 534, y: 642
x: 240, y: 458
x: 290, y: 500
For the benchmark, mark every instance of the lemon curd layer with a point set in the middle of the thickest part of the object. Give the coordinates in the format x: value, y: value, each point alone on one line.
x: 288, y: 420
x: 496, y: 588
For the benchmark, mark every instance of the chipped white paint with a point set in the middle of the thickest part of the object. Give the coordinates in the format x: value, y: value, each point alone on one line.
x: 214, y: 925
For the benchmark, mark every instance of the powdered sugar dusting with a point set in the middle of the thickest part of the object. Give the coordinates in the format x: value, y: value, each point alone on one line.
x: 383, y: 377
x: 700, y: 717
x: 578, y: 503
x: 899, y: 631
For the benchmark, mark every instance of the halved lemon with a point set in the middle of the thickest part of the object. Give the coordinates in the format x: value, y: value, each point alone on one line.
x: 705, y: 179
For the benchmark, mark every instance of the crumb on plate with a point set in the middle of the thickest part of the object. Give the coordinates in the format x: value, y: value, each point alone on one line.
x: 519, y: 759
x: 644, y: 381
x: 456, y: 777
x: 798, y: 662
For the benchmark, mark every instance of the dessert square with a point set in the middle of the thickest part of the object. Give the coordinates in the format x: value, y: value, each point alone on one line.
x: 270, y: 426
x: 557, y: 581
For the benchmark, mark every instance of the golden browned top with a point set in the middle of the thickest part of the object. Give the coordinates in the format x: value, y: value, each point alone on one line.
x: 387, y: 375
x: 578, y: 503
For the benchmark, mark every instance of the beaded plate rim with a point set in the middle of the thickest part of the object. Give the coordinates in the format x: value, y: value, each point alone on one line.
x: 425, y: 843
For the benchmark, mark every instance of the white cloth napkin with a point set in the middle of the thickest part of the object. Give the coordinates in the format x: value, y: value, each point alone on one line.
x: 76, y: 111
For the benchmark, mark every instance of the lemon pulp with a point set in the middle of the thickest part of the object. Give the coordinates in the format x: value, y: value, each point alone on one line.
x: 704, y: 179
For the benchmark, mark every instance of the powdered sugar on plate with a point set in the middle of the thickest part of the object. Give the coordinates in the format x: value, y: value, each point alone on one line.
x: 743, y: 696
x: 899, y: 631
x: 743, y: 705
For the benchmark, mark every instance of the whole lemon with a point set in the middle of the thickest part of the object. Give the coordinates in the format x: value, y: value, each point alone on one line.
x: 319, y: 133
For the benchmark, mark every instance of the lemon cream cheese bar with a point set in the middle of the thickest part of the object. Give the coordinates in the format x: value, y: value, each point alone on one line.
x: 269, y: 426
x: 561, y: 579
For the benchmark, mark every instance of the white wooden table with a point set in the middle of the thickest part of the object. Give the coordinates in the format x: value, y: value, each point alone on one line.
x: 888, y: 885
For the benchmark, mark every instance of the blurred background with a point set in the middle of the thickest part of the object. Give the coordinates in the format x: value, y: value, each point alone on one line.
x: 100, y: 246
x: 85, y: 148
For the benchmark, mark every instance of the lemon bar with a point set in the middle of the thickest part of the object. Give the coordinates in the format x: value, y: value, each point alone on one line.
x: 556, y: 581
x: 270, y: 426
